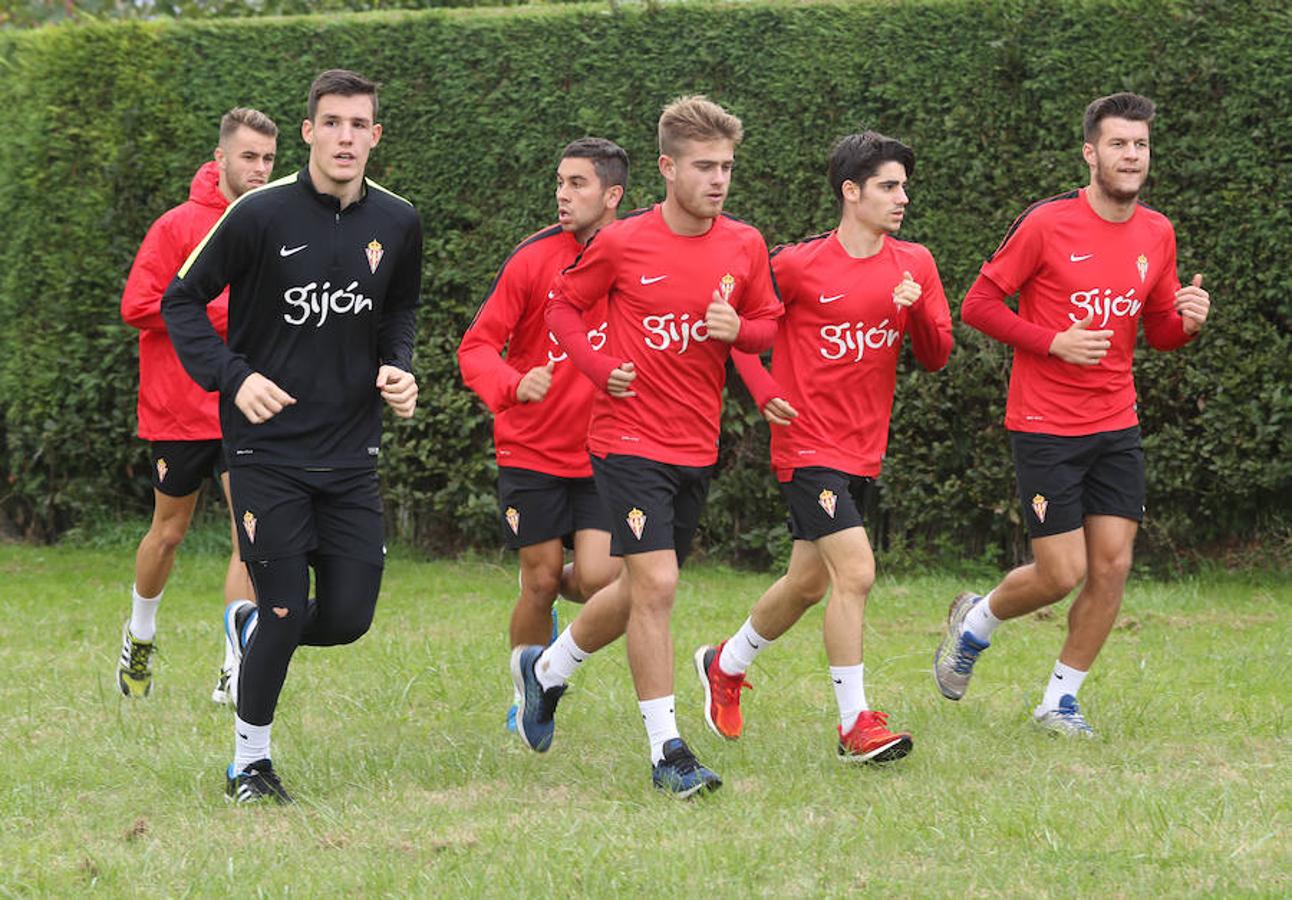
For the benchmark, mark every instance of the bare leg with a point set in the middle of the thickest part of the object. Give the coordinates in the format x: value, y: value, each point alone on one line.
x: 156, y: 553
x: 540, y: 579
x: 1059, y: 565
x: 593, y: 567
x: 237, y: 581
x: 1110, y: 541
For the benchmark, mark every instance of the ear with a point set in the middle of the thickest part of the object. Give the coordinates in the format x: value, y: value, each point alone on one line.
x: 218, y: 156
x: 376, y: 133
x: 667, y: 167
x: 307, y: 131
x: 614, y: 195
x: 851, y: 191
x: 1088, y: 154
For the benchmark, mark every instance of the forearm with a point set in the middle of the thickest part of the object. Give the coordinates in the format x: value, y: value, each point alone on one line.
x: 755, y: 335
x: 565, y: 320
x: 762, y: 387
x: 984, y: 309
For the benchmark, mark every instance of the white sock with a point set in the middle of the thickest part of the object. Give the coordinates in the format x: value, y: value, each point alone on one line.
x: 849, y: 692
x: 739, y: 653
x: 250, y: 743
x: 1063, y: 680
x: 979, y: 621
x: 559, y: 661
x: 661, y: 724
x: 143, y: 615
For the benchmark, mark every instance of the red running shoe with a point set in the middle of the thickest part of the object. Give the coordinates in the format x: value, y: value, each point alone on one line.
x: 721, y: 693
x: 871, y: 741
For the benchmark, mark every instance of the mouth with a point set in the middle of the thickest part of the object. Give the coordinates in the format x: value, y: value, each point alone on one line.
x: 344, y: 159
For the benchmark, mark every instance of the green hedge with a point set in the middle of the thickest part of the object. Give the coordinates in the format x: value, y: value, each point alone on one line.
x: 106, y: 124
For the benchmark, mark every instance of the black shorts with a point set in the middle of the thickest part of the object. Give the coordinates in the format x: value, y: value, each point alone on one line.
x: 180, y: 467
x: 284, y: 511
x: 1061, y: 480
x: 823, y: 501
x: 651, y: 505
x: 535, y: 507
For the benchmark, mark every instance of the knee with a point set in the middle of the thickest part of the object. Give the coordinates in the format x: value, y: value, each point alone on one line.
x: 349, y: 632
x: 540, y: 584
x: 653, y: 592
x: 807, y: 590
x: 1112, y: 569
x: 1062, y: 576
x: 855, y: 581
x: 168, y: 534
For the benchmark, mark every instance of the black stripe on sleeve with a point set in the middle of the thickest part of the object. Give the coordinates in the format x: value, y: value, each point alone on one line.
x: 1070, y: 195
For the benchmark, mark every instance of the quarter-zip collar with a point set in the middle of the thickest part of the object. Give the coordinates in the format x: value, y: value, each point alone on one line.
x: 332, y: 202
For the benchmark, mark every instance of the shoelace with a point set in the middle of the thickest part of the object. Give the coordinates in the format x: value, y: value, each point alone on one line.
x: 966, y: 656
x: 728, y: 687
x: 1072, y: 715
x: 139, y: 654
x: 550, y: 698
x: 683, y: 761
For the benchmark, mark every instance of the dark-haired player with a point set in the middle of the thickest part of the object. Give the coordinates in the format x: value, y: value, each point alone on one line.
x: 541, y: 403
x: 850, y: 296
x: 177, y: 417
x: 684, y: 285
x: 1088, y: 267
x: 324, y: 272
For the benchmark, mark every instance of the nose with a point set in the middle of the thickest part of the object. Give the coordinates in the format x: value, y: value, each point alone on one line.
x: 902, y: 199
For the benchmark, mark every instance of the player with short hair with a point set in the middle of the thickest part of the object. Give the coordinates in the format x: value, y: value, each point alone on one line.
x: 179, y: 419
x: 324, y: 273
x: 684, y: 284
x: 850, y: 295
x: 546, y: 494
x: 1088, y: 267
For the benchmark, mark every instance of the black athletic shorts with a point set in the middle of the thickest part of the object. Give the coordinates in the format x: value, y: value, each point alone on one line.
x: 180, y: 467
x: 651, y: 505
x: 1061, y: 480
x: 535, y: 507
x: 284, y: 511
x: 823, y: 501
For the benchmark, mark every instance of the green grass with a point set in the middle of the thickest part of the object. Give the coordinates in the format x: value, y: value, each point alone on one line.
x: 408, y: 785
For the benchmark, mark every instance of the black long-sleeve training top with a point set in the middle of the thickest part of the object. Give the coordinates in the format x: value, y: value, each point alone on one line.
x: 319, y: 298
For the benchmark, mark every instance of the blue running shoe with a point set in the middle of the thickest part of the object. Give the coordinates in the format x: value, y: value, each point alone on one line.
x: 1065, y: 719
x: 536, y: 712
x: 955, y: 657
x: 679, y: 773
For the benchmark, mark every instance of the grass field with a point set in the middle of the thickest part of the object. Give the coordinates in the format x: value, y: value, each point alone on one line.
x: 408, y: 785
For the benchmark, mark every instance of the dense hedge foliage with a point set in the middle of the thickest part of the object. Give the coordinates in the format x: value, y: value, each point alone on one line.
x: 107, y: 123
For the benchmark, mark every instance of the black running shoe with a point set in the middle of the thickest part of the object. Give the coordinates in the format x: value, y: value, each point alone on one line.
x: 257, y: 782
x: 680, y: 774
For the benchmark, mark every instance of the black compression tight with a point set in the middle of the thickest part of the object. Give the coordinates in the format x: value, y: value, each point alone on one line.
x: 346, y: 592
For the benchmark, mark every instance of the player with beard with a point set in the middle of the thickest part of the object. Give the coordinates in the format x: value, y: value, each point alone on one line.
x: 850, y: 296
x: 1088, y: 266
x: 324, y: 272
x: 684, y: 285
x: 546, y: 494
x: 179, y: 419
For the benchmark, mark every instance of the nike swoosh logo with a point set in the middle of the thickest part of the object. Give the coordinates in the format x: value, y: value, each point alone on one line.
x: 283, y: 251
x: 551, y: 294
x: 1073, y: 257
x: 824, y: 299
x: 646, y: 280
